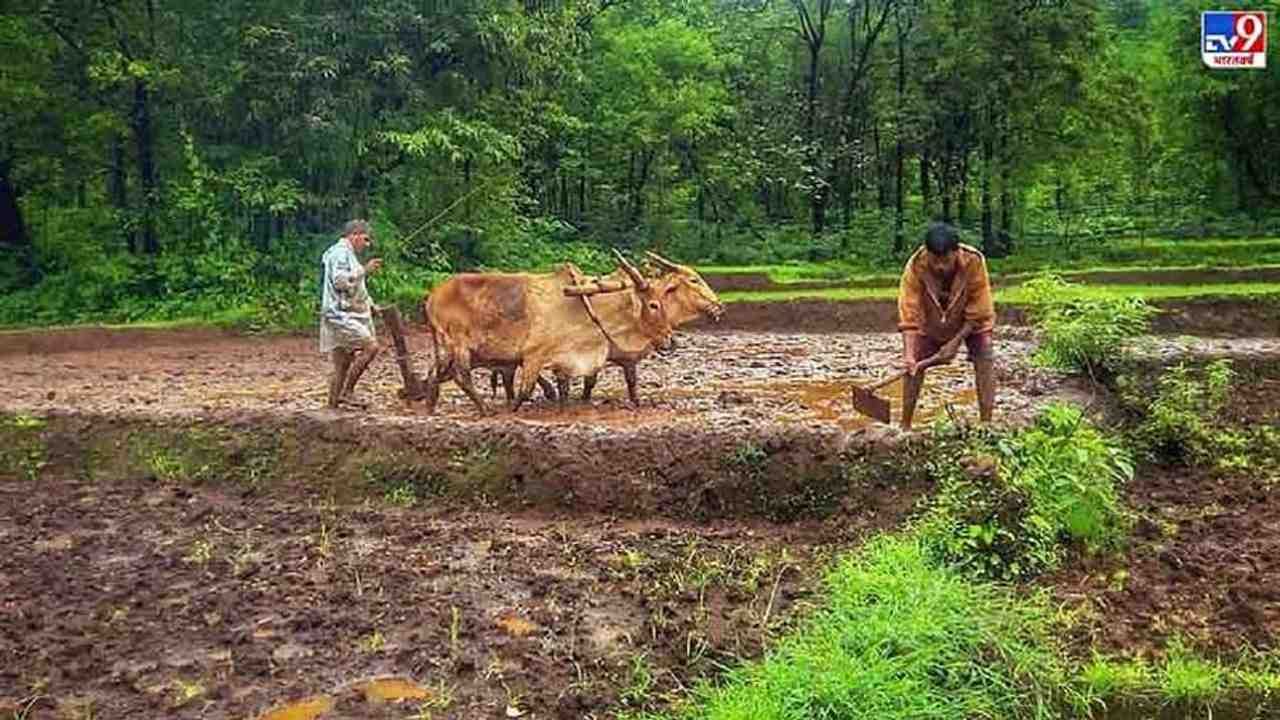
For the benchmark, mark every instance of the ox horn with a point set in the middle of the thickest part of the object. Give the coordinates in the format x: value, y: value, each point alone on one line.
x: 631, y: 271
x: 663, y: 263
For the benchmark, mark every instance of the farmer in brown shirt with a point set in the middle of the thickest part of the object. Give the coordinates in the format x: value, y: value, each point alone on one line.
x: 944, y: 300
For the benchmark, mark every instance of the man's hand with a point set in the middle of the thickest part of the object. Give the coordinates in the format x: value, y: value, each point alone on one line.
x: 373, y: 266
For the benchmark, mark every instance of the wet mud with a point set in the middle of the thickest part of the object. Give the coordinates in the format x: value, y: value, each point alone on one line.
x: 1203, y: 563
x: 150, y: 599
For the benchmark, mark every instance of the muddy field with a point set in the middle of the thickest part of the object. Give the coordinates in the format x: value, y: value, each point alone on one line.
x: 147, y: 600
x: 711, y: 380
x: 610, y: 567
x: 1204, y: 561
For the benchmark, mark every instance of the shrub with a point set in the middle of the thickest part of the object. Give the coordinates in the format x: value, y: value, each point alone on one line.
x: 1009, y: 509
x: 1180, y: 422
x: 1082, y: 334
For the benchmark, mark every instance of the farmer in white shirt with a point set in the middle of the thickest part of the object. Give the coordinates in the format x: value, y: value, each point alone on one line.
x: 346, y: 311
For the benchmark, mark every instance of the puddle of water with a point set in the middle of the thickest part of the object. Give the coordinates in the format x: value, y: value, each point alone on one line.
x: 308, y: 709
x: 832, y: 400
x: 376, y: 691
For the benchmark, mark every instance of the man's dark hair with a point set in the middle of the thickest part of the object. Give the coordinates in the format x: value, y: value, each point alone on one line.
x: 941, y: 239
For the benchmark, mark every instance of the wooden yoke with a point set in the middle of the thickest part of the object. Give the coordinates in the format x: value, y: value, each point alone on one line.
x: 595, y: 287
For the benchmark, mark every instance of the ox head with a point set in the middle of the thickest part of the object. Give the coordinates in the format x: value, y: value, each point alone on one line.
x: 655, y: 321
x: 684, y: 294
x: 652, y: 321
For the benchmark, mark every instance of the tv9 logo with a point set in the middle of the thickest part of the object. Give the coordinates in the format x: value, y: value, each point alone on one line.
x: 1234, y: 39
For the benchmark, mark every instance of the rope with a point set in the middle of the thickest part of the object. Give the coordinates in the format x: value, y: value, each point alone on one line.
x: 444, y: 212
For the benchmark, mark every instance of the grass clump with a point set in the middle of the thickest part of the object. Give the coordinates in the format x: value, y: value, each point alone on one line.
x: 1009, y: 509
x: 1179, y: 423
x: 23, y: 453
x: 1082, y: 334
x: 902, y: 637
x: 1103, y: 678
x: 403, y: 481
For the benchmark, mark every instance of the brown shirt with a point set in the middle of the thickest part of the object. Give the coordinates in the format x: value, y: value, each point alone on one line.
x: 927, y: 307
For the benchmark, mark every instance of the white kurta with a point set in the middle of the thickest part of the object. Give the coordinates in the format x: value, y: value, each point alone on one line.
x: 346, y: 318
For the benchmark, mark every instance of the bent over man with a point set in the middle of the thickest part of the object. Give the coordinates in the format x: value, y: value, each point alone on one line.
x: 944, y: 299
x: 346, y: 311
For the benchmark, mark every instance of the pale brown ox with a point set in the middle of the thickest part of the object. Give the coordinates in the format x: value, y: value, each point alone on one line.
x: 505, y: 320
x: 685, y: 297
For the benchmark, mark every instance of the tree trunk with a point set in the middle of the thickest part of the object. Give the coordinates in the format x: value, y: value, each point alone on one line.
x: 146, y: 163
x: 13, y: 228
x: 118, y: 189
x: 640, y: 183
x: 926, y: 194
x: 900, y: 208
x: 818, y: 194
x: 882, y: 188
x: 988, y: 236
x: 944, y: 180
x: 1006, y: 186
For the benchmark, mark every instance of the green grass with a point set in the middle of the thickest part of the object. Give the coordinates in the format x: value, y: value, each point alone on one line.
x: 903, y: 638
x: 1116, y: 255
x: 1016, y: 295
x: 1181, y: 678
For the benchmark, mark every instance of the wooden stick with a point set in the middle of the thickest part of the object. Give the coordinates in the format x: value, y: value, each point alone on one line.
x: 413, y: 389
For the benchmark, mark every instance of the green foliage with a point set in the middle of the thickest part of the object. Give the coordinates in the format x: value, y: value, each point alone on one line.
x: 403, y: 482
x: 1187, y: 678
x: 900, y: 637
x: 1007, y: 511
x: 1082, y: 334
x: 1105, y: 678
x: 23, y: 453
x: 197, y: 169
x: 1183, y: 421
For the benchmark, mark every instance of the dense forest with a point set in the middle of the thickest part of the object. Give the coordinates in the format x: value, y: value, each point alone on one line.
x: 163, y: 159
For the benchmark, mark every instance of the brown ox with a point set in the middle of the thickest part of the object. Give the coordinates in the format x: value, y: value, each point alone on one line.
x: 501, y: 320
x: 685, y: 296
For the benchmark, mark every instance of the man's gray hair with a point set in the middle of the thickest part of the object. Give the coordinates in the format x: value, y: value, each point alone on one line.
x: 355, y: 226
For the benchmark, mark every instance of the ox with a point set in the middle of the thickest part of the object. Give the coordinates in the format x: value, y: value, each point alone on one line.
x: 685, y: 296
x: 536, y: 321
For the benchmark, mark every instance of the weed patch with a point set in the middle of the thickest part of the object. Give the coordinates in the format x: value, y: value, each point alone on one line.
x: 902, y: 637
x: 23, y: 453
x: 404, y: 482
x: 1083, y: 334
x: 1011, y: 504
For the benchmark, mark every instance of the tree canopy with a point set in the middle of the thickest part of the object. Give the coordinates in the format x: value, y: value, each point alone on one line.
x: 182, y: 154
